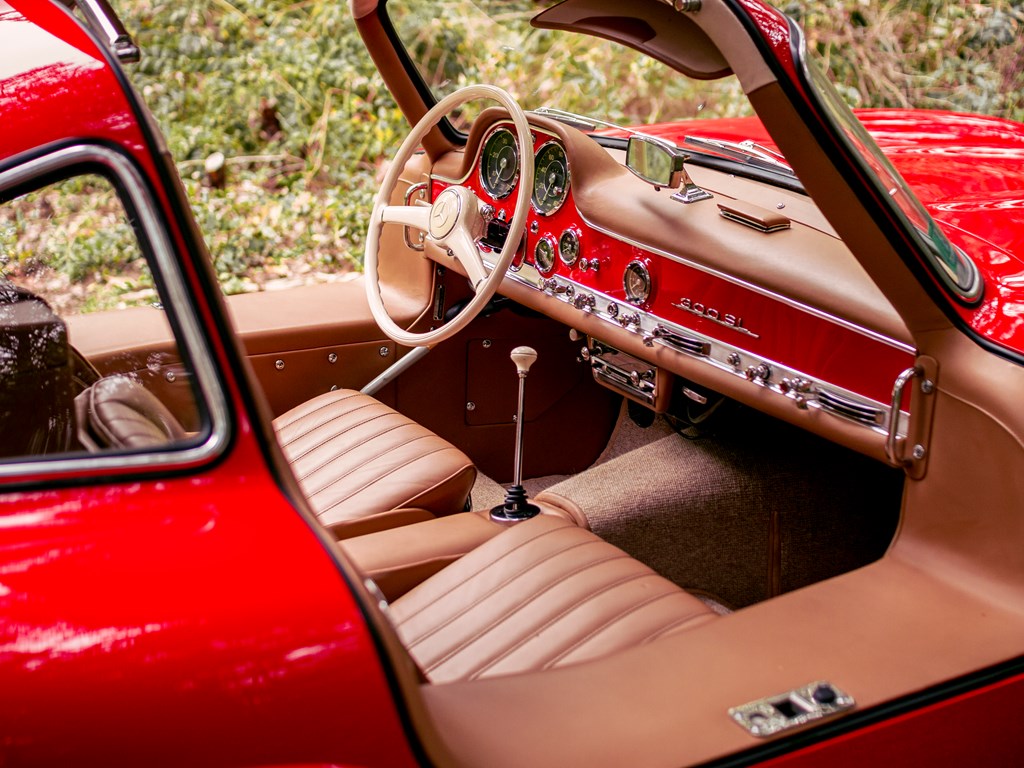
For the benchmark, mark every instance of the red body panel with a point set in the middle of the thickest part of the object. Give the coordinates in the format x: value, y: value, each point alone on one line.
x: 196, y: 619
x: 977, y: 728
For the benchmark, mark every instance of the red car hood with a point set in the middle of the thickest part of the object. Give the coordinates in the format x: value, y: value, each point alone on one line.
x: 968, y: 170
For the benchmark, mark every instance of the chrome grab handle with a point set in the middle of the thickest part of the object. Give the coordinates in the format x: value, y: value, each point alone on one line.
x: 894, y: 414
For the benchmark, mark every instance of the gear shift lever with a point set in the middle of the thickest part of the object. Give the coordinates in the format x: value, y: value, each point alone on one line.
x: 517, y: 506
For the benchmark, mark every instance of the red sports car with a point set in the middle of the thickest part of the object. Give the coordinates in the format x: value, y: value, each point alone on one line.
x: 639, y: 442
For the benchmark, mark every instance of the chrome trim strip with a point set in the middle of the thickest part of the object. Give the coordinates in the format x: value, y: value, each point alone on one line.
x: 756, y: 289
x: 721, y: 354
x: 177, y: 294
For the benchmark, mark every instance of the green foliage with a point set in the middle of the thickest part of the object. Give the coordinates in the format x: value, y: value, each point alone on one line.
x: 286, y: 91
x: 961, y: 56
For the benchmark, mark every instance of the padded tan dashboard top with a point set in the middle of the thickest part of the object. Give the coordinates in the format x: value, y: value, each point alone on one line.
x: 804, y: 263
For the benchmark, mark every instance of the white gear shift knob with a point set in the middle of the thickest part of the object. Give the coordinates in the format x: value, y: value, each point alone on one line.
x: 524, y: 357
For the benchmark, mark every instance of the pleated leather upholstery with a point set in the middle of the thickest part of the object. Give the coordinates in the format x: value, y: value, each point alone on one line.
x: 542, y: 594
x: 355, y: 457
x: 118, y: 412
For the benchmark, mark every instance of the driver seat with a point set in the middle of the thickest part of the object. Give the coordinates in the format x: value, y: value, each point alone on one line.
x: 362, y: 466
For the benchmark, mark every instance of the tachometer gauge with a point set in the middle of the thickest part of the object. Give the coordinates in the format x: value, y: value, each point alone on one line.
x: 499, y: 164
x: 569, y: 247
x: 637, y: 282
x: 551, y: 178
x: 544, y: 255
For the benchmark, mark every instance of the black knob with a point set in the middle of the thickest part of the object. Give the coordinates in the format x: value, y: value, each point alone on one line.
x: 824, y: 694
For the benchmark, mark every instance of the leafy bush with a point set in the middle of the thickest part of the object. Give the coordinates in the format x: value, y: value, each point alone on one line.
x: 286, y: 91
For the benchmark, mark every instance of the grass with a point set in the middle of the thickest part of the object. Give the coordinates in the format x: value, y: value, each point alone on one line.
x: 286, y: 92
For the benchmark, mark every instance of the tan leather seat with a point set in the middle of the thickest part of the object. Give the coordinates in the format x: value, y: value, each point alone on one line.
x: 362, y: 465
x: 357, y: 460
x: 542, y: 594
x: 118, y: 412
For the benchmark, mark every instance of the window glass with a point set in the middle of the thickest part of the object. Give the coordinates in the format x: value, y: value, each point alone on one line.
x: 455, y: 43
x: 89, y: 362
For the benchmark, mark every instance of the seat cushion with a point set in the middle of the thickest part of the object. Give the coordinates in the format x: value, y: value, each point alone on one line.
x: 356, y: 458
x: 542, y: 594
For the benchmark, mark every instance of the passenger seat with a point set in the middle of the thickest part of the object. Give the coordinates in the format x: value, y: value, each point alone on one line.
x: 543, y: 594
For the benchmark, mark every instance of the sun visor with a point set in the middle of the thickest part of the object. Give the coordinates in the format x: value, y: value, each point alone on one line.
x: 652, y: 28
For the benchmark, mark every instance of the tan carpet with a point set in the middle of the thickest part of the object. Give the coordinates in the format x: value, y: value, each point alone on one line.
x: 757, y: 508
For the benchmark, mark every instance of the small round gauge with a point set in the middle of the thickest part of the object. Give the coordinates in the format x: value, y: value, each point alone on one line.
x: 499, y: 164
x: 569, y: 247
x: 551, y: 178
x: 544, y: 255
x: 637, y: 282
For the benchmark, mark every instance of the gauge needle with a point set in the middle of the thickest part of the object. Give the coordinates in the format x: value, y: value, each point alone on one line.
x: 502, y: 162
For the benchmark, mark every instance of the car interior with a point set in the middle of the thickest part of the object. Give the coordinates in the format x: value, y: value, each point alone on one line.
x: 728, y: 529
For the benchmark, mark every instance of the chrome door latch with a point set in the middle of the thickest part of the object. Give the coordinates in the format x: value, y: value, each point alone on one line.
x: 910, y: 451
x: 793, y: 709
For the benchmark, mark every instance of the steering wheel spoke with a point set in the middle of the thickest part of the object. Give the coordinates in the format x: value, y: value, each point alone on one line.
x: 417, y: 216
x: 463, y: 247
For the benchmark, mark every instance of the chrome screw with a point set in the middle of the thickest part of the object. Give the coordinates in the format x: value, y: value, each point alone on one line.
x: 332, y: 358
x: 919, y: 452
x: 383, y: 351
x: 470, y: 406
x: 279, y: 364
x: 486, y: 343
x: 927, y: 386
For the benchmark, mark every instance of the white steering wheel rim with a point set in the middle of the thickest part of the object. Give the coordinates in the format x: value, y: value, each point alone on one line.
x: 418, y: 216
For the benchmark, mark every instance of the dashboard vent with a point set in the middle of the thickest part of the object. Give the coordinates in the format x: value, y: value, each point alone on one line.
x: 679, y: 341
x: 851, y: 409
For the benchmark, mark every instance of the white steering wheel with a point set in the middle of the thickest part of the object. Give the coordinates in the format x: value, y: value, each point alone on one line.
x: 454, y: 222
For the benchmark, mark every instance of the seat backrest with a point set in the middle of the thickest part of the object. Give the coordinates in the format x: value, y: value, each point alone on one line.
x: 118, y: 412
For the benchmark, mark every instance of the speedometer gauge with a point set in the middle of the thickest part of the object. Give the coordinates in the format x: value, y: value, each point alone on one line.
x: 499, y: 165
x: 551, y: 178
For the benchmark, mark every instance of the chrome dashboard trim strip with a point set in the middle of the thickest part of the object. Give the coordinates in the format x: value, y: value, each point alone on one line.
x: 801, y: 388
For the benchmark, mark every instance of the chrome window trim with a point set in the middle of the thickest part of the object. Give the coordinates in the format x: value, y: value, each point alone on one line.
x: 192, y: 337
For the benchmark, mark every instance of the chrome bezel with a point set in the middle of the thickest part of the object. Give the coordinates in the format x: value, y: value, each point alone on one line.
x: 497, y: 195
x: 572, y: 235
x: 641, y: 268
x: 552, y: 246
x: 546, y: 211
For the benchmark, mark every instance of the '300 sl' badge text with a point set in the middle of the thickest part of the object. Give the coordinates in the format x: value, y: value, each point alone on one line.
x: 735, y: 322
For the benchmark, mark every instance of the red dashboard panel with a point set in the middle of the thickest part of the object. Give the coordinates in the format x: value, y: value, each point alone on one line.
x: 742, y: 321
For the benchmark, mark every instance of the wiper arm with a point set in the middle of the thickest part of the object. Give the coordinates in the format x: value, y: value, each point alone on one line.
x: 580, y: 122
x: 744, y: 151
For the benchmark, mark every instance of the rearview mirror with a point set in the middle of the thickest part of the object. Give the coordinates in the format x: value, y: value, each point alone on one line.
x: 654, y: 162
x: 662, y: 165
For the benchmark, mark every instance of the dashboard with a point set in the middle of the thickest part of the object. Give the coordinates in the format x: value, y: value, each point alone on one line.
x: 662, y: 288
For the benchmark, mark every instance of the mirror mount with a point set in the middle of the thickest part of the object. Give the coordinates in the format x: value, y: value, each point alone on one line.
x: 662, y: 164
